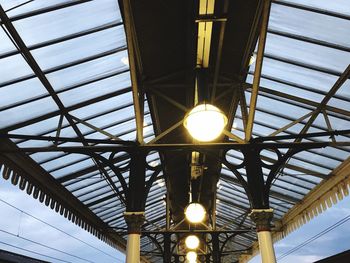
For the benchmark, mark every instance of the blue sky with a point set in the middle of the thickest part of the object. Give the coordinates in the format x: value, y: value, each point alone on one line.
x: 20, y: 224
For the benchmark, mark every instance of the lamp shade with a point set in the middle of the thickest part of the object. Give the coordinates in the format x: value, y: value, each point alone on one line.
x: 191, y: 256
x: 205, y: 122
x: 192, y: 242
x: 195, y: 213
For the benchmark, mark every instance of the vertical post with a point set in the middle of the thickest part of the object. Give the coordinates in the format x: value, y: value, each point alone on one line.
x: 167, y: 211
x: 135, y: 206
x: 255, y: 178
x: 216, y: 247
x: 262, y: 219
x: 213, y: 212
x: 167, y: 247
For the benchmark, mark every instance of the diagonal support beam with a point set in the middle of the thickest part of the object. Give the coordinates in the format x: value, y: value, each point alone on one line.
x: 109, y: 135
x: 291, y: 124
x: 337, y: 85
x: 167, y: 131
x: 328, y: 123
x: 132, y: 52
x: 258, y: 68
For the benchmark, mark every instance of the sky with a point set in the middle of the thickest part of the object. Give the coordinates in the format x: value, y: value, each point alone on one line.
x: 18, y: 223
x: 333, y: 242
x: 22, y: 227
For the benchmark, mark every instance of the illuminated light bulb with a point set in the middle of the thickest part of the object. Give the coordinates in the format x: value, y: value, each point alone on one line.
x: 195, y: 213
x: 205, y: 122
x: 191, y: 256
x: 192, y: 242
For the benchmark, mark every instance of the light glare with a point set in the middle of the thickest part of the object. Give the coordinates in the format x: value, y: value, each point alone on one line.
x: 205, y: 122
x: 192, y: 242
x: 191, y: 256
x: 195, y: 213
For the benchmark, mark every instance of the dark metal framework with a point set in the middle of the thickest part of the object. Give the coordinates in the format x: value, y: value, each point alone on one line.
x: 135, y: 193
x: 98, y: 193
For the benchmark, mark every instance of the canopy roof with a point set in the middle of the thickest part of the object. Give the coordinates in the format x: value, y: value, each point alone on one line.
x: 66, y: 74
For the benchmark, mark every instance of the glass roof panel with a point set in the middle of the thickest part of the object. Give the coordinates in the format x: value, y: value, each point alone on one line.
x: 88, y: 71
x: 80, y: 48
x: 333, y: 29
x: 12, y: 68
x: 6, y: 44
x: 48, y: 26
x: 339, y: 6
x: 28, y: 7
x: 97, y: 89
x: 307, y: 53
x: 102, y: 106
x: 15, y: 94
x: 26, y: 112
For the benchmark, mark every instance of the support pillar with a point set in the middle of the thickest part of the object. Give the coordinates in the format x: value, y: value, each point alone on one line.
x: 134, y: 220
x: 167, y: 248
x: 216, y: 247
x: 135, y: 206
x: 262, y: 219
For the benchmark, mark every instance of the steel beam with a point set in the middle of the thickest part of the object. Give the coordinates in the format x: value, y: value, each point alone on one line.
x: 337, y: 85
x: 219, y: 51
x: 258, y: 68
x: 180, y: 146
x: 133, y: 51
x: 64, y: 139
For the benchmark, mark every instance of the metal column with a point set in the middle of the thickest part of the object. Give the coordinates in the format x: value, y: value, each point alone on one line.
x: 167, y: 248
x: 262, y: 219
x: 216, y: 247
x: 135, y: 206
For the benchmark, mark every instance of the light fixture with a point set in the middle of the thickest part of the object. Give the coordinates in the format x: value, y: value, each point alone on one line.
x: 205, y: 122
x: 192, y: 242
x: 195, y: 213
x: 191, y: 256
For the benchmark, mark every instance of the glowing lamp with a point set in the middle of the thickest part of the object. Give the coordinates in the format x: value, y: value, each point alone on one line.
x: 191, y: 256
x: 192, y: 242
x: 205, y: 122
x: 195, y: 213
